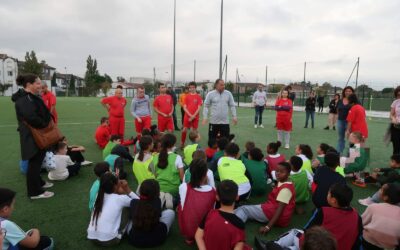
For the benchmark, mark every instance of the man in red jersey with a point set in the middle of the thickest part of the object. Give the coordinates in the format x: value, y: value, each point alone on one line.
x: 192, y: 106
x: 115, y: 106
x: 164, y: 107
x: 49, y: 100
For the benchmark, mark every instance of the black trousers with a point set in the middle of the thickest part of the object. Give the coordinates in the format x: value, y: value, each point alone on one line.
x: 320, y: 107
x: 34, y: 181
x: 218, y: 130
x: 74, y: 169
x: 174, y: 118
x: 395, y: 138
x: 44, y: 243
x: 76, y: 156
x: 183, y: 114
x: 368, y: 246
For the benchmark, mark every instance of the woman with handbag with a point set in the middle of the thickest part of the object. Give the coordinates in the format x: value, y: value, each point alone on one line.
x: 395, y: 122
x: 32, y: 114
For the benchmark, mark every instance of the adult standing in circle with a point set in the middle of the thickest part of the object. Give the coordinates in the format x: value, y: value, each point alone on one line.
x: 50, y: 101
x: 164, y: 106
x: 310, y: 109
x: 259, y: 101
x: 115, y: 106
x: 220, y: 101
x: 31, y: 109
x: 332, y: 117
x: 284, y: 111
x: 141, y: 111
x: 343, y: 110
x: 182, y: 97
x: 191, y: 106
x: 395, y: 122
x: 171, y: 92
x: 357, y: 118
x: 320, y: 101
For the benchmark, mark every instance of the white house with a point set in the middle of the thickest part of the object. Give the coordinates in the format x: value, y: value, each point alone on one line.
x: 8, y: 73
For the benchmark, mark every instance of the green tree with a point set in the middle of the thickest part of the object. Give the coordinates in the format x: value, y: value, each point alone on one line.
x: 4, y: 87
x: 92, y: 78
x: 229, y: 86
x: 32, y: 64
x: 108, y: 78
x: 54, y: 80
x: 148, y: 87
x: 387, y: 90
x: 120, y: 79
x: 71, y: 86
x: 105, y: 87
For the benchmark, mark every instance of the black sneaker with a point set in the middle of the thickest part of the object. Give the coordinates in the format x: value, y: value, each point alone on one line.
x: 327, y: 128
x: 334, y: 128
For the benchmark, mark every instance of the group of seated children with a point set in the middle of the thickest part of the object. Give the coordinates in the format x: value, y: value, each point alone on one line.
x: 163, y: 183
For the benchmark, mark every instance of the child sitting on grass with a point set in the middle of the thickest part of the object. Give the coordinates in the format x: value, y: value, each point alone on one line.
x: 169, y: 170
x: 322, y: 149
x: 211, y: 149
x: 256, y: 168
x: 230, y: 168
x: 99, y: 169
x: 305, y: 153
x: 194, y: 138
x: 279, y: 206
x: 14, y: 237
x: 108, y: 222
x: 222, y: 229
x: 248, y: 146
x: 324, y: 178
x: 197, y: 198
x: 302, y: 181
x: 199, y: 154
x: 222, y: 142
x: 381, y: 221
x: 65, y: 167
x: 102, y: 135
x: 150, y: 225
x: 273, y: 158
x: 339, y: 219
x: 390, y: 175
x: 114, y: 147
x: 143, y: 167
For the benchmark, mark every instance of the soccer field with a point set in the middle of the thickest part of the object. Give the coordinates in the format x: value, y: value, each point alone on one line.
x: 65, y: 217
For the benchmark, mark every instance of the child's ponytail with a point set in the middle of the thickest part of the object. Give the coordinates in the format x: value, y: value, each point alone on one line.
x: 107, y: 184
x: 144, y: 144
x: 167, y: 141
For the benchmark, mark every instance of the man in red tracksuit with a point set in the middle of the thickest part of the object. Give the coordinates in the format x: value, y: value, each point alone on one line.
x: 115, y: 106
x: 49, y: 100
x: 164, y: 106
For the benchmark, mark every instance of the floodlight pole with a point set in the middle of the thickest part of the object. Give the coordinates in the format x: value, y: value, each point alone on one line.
x: 220, y: 41
x: 358, y: 65
x: 173, y: 63
x: 194, y: 71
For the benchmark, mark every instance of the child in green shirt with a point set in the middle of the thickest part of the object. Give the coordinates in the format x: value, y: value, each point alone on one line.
x: 256, y: 168
x: 194, y: 137
x: 302, y: 181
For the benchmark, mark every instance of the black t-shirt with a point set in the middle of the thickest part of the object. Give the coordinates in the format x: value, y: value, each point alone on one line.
x: 324, y: 178
x: 343, y: 110
x: 156, y: 236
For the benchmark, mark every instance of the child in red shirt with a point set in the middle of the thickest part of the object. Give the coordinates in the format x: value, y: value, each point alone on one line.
x: 164, y: 107
x: 284, y: 110
x: 50, y: 100
x: 273, y: 158
x: 221, y: 229
x: 102, y: 135
x: 278, y: 208
x: 211, y: 149
x: 191, y: 107
x: 197, y: 199
x: 356, y: 119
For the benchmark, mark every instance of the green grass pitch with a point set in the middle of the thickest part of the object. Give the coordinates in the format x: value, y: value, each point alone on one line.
x: 65, y: 217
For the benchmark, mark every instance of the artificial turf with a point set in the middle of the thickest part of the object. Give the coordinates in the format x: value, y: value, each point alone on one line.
x: 65, y: 217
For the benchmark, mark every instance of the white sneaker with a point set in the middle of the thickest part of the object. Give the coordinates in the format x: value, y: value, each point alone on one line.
x: 255, y: 126
x: 48, y: 185
x: 86, y: 163
x: 287, y: 146
x: 269, y: 181
x: 261, y: 126
x: 44, y: 195
x: 366, y: 202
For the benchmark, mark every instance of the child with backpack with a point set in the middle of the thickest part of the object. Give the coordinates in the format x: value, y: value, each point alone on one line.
x: 197, y: 198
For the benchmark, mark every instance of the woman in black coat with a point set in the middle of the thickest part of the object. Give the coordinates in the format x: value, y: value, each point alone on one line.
x: 30, y: 108
x: 310, y: 109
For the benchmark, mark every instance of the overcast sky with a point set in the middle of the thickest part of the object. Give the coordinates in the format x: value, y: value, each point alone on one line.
x: 130, y: 37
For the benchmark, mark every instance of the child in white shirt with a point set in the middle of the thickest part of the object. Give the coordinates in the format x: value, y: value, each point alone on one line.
x: 65, y: 167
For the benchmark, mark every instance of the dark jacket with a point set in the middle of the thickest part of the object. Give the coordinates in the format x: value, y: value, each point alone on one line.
x: 310, y: 104
x: 173, y: 95
x: 333, y: 107
x: 31, y: 109
x: 321, y: 100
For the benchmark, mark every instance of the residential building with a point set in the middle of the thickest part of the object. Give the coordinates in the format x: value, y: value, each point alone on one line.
x: 8, y: 73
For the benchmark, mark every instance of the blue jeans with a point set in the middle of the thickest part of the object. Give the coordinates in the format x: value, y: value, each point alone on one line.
x: 258, y: 117
x: 341, y: 128
x: 308, y: 114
